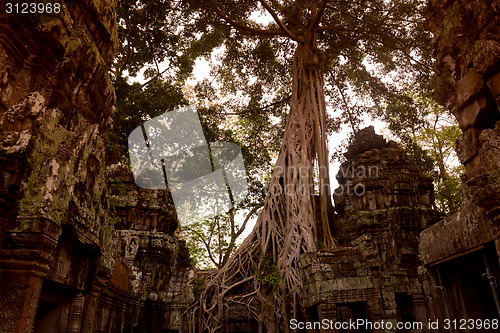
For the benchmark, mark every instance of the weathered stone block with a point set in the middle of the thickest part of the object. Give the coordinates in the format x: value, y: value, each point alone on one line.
x: 468, y: 144
x: 494, y: 85
x: 476, y: 113
x: 469, y: 86
x: 473, y: 167
x: 459, y: 232
x: 485, y: 53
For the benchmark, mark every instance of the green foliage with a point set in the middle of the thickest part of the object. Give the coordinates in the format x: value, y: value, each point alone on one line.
x: 198, y: 286
x: 439, y: 139
x: 268, y: 273
x: 207, y: 241
x: 111, y: 221
x: 428, y: 133
x: 167, y: 32
x: 364, y: 42
x: 117, y: 187
x: 151, y: 32
x: 135, y: 105
x: 116, y: 190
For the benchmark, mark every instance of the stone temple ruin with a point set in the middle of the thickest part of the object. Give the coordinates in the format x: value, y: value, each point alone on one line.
x: 83, y: 249
x: 457, y: 251
x: 66, y: 265
x: 374, y: 273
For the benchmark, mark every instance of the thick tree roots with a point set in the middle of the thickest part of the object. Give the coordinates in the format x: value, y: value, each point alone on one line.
x: 263, y: 281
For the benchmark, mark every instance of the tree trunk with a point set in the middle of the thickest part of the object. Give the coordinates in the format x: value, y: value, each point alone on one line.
x: 263, y: 279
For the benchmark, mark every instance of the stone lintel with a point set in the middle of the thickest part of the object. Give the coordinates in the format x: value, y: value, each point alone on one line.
x: 456, y: 234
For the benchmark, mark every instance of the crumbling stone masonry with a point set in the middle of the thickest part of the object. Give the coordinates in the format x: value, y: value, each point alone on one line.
x: 146, y: 247
x: 458, y: 251
x: 373, y: 274
x: 398, y: 260
x: 75, y: 254
x: 56, y: 99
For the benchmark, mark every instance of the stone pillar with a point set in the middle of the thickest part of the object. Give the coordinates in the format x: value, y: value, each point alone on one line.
x: 24, y: 263
x: 75, y: 314
x: 329, y: 312
x: 20, y: 317
x: 90, y: 305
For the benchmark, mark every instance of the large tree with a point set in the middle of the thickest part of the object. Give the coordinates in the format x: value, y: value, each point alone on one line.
x: 159, y: 43
x: 327, y: 48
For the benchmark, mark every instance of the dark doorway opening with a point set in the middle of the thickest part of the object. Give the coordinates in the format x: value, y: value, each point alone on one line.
x: 52, y: 311
x: 352, y: 312
x: 48, y: 317
x: 405, y: 311
x: 468, y: 290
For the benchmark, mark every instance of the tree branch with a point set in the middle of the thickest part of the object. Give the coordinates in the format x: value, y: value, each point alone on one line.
x: 219, y: 244
x: 346, y: 106
x: 242, y: 27
x: 317, y: 15
x: 377, y: 39
x: 207, y: 245
x: 351, y: 15
x: 276, y: 4
x: 247, y: 218
x: 280, y: 23
x: 148, y: 82
x: 232, y: 243
x: 261, y: 108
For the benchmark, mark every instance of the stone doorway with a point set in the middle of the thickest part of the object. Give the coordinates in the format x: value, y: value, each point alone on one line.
x: 52, y: 311
x: 468, y: 291
x: 405, y: 311
x: 348, y: 312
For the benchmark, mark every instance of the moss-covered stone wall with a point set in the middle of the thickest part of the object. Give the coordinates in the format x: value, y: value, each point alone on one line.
x: 56, y: 99
x: 82, y: 248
